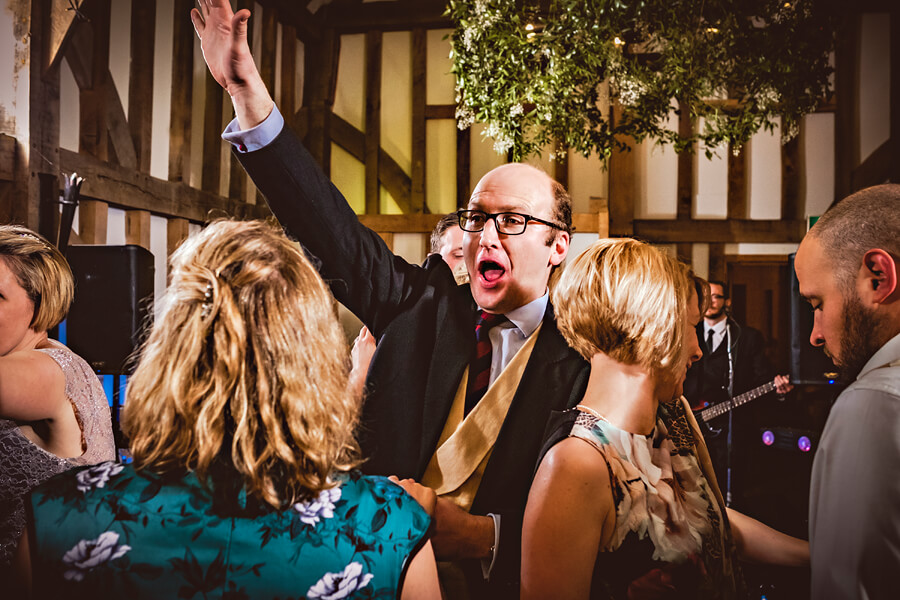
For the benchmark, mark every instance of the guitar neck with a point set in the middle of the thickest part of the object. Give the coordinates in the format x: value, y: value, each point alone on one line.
x: 721, y: 408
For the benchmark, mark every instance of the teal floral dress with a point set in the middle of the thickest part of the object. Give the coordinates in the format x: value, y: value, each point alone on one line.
x: 110, y: 531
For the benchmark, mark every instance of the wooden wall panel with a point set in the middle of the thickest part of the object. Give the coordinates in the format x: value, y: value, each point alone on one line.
x: 373, y: 119
x: 622, y: 187
x: 177, y: 231
x: 140, y: 84
x: 137, y: 228
x: 419, y: 54
x: 92, y: 101
x: 738, y: 183
x: 92, y: 221
x: 182, y: 94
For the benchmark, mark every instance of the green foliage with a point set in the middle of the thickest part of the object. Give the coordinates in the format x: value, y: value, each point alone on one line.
x: 739, y: 65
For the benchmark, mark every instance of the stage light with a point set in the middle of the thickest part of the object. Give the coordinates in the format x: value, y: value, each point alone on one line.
x: 804, y: 443
x: 768, y: 438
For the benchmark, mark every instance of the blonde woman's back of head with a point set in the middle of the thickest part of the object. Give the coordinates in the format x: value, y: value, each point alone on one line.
x: 244, y: 375
x: 626, y: 299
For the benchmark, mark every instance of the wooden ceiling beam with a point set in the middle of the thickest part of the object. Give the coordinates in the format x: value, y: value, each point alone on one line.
x: 307, y: 26
x: 129, y: 189
x: 730, y: 231
x: 351, y: 16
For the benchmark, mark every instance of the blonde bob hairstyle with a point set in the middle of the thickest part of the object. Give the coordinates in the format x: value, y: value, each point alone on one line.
x: 244, y: 377
x: 628, y: 300
x: 42, y: 271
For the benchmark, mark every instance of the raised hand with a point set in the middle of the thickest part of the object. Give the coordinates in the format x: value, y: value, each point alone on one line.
x: 223, y: 39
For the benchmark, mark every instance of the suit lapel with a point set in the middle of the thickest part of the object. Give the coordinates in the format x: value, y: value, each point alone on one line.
x: 455, y: 341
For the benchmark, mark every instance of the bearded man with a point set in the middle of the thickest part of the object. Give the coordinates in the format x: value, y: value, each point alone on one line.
x: 847, y: 266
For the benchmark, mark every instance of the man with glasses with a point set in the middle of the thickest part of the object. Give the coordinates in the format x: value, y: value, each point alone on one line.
x: 465, y: 376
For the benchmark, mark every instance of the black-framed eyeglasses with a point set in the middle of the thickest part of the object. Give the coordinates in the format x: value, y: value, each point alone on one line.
x: 507, y: 223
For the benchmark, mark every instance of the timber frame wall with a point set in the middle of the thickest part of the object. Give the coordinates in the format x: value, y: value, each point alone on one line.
x: 114, y: 152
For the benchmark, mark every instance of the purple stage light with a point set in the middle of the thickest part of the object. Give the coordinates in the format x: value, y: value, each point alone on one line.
x: 804, y: 444
x: 768, y: 438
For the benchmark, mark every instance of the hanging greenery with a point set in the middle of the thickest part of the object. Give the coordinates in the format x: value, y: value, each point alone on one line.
x: 552, y: 77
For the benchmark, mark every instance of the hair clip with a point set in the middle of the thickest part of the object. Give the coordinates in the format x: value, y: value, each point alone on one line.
x: 207, y: 301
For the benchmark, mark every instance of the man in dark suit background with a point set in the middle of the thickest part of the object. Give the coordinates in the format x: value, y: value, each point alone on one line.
x: 731, y: 353
x: 517, y: 223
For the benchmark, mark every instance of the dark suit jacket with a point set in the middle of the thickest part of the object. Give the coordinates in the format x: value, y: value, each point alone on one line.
x: 705, y: 381
x: 424, y: 324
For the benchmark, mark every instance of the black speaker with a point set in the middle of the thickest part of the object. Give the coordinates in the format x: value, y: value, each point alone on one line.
x: 113, y: 304
x: 809, y: 365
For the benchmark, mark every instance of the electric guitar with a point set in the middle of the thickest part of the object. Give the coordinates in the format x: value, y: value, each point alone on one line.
x: 704, y: 415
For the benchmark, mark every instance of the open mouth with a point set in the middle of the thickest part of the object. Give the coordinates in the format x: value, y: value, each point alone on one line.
x: 490, y: 271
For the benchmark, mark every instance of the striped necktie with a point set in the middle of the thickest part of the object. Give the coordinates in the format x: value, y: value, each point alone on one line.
x: 480, y: 367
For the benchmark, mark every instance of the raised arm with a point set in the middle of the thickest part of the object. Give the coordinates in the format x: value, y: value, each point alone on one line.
x: 223, y: 38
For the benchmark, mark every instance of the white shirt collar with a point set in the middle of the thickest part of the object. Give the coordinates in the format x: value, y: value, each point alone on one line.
x: 718, y: 328
x: 528, y: 316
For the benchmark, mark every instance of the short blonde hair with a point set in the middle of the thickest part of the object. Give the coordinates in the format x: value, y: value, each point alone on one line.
x: 626, y: 299
x: 246, y: 370
x: 42, y: 271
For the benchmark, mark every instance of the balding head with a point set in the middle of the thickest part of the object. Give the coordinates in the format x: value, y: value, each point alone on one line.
x: 867, y: 219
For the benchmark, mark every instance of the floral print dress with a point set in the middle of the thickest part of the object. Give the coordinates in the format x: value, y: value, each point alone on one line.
x: 671, y: 538
x: 111, y: 531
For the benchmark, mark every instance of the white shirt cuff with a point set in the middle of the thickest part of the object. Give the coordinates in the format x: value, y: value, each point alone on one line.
x: 488, y: 563
x: 248, y: 140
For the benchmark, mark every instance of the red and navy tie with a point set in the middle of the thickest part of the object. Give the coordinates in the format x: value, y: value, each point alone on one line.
x: 480, y: 367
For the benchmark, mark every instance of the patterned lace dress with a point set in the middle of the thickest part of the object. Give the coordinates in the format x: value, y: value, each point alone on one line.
x: 671, y: 539
x: 23, y: 465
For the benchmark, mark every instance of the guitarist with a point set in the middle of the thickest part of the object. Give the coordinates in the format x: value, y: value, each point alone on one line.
x: 733, y: 362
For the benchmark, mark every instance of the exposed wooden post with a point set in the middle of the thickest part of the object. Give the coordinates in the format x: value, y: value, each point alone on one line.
x: 288, y: 70
x: 212, y: 136
x: 737, y: 183
x: 685, y: 252
x: 463, y: 166
x: 137, y: 228
x: 622, y: 188
x: 685, y: 166
x: 561, y: 167
x: 182, y: 93
x: 92, y: 221
x: 419, y: 51
x: 140, y: 85
x: 791, y: 180
x: 373, y: 119
x: 176, y: 232
x: 846, y: 119
x: 717, y: 267
x: 320, y: 79
x: 93, y: 138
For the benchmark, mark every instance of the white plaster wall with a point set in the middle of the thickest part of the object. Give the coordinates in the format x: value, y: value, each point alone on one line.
x: 483, y: 157
x: 69, y: 109
x: 349, y: 98
x: 14, y: 69
x: 700, y: 259
x: 817, y: 148
x: 410, y: 246
x: 159, y: 236
x: 657, y: 183
x: 440, y: 173
x: 711, y: 183
x: 440, y: 82
x: 120, y: 48
x: 396, y: 98
x: 162, y: 89
x: 764, y: 174
x: 588, y: 178
x: 875, y: 82
x: 349, y: 176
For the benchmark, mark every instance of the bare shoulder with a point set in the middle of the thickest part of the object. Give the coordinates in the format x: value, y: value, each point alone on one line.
x: 573, y: 464
x: 32, y: 386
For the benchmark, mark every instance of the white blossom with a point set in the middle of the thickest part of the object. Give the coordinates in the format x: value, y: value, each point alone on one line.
x: 516, y: 110
x: 321, y: 507
x: 97, y: 476
x: 87, y: 555
x: 333, y: 586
